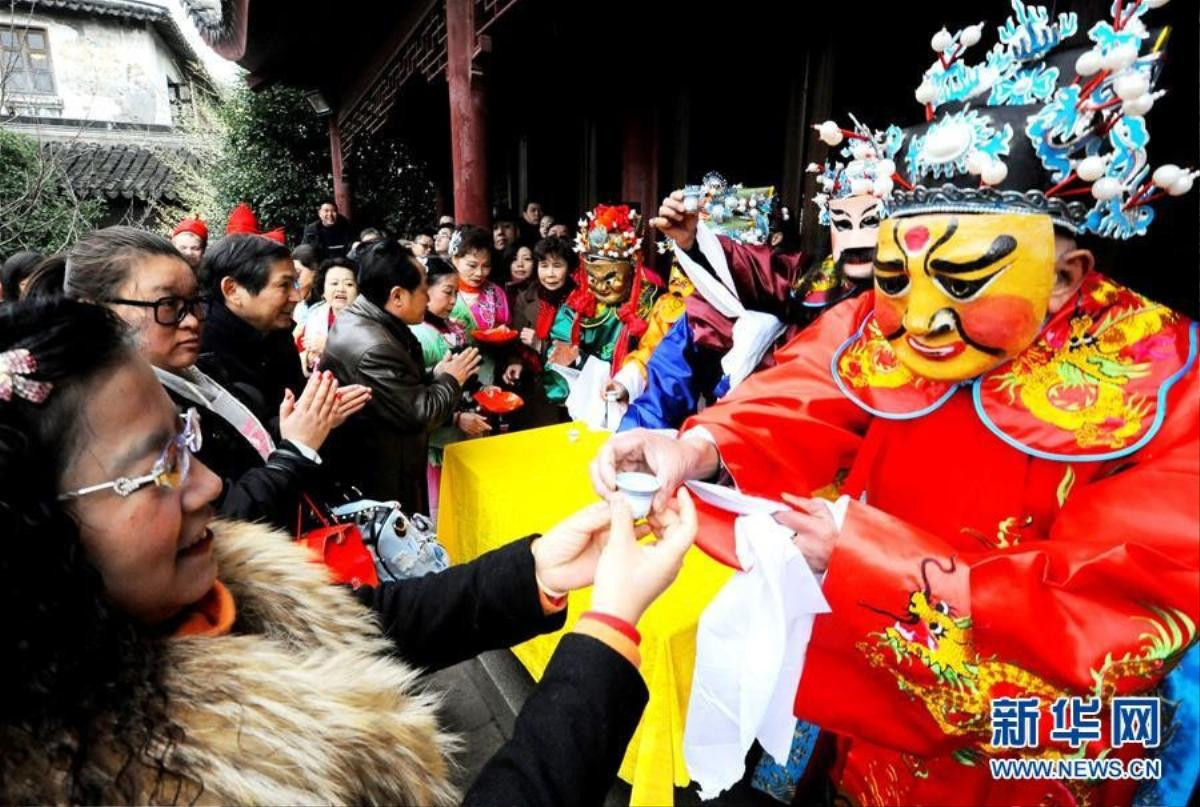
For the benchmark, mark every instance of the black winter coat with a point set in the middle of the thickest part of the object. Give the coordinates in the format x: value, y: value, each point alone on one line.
x: 570, y: 737
x: 383, y: 450
x: 255, y: 367
x: 330, y: 242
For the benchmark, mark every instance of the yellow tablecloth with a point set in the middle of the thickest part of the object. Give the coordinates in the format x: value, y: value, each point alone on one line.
x: 499, y: 489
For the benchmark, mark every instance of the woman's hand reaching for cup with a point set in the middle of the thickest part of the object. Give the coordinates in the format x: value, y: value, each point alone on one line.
x: 599, y: 544
x: 631, y: 575
x: 565, y: 557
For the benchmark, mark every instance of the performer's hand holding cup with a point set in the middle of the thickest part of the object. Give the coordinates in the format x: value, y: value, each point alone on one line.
x: 671, y: 460
x: 676, y: 221
x: 615, y: 391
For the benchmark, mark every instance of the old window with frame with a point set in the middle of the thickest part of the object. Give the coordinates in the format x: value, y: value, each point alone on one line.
x: 25, y: 61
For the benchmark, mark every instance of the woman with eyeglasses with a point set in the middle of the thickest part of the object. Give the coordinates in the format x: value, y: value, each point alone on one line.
x: 148, y: 284
x: 154, y: 655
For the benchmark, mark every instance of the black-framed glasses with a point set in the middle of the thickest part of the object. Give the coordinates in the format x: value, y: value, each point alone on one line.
x: 169, y: 311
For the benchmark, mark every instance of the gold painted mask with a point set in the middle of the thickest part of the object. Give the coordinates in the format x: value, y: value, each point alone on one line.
x: 958, y: 294
x: 609, y: 281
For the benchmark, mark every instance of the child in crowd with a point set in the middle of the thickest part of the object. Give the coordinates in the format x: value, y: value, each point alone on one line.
x: 481, y: 304
x: 438, y: 335
x: 533, y: 312
x: 335, y: 288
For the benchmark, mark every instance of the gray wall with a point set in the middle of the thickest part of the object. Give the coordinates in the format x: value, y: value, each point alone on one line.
x: 105, y: 70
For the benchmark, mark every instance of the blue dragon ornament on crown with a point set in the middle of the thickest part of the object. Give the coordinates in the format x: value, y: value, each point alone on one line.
x: 1089, y: 136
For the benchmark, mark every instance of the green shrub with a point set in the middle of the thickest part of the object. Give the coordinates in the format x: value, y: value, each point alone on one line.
x: 38, y: 211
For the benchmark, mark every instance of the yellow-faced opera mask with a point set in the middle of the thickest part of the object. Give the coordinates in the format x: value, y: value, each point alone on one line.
x: 678, y: 282
x: 609, y: 281
x: 958, y: 294
x: 853, y: 232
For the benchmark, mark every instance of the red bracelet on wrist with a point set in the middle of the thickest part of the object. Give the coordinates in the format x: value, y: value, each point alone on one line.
x: 616, y: 623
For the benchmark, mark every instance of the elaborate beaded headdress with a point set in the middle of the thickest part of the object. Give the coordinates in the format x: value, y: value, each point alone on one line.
x: 1013, y: 134
x: 610, y: 232
x: 867, y: 167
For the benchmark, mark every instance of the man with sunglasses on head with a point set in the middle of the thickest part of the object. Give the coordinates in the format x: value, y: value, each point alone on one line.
x: 146, y: 282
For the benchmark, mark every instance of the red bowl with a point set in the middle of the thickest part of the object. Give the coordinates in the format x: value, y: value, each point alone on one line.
x: 496, y: 336
x: 498, y: 401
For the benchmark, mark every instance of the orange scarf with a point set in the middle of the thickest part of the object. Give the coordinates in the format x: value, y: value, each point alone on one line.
x: 211, y: 615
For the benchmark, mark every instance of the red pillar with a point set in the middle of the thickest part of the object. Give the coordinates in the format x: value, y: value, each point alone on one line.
x: 468, y: 151
x: 341, y: 188
x: 639, y: 164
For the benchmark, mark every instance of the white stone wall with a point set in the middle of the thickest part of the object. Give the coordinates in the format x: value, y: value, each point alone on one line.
x: 105, y: 69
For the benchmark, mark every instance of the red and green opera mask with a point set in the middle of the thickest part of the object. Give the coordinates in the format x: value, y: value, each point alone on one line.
x: 958, y: 294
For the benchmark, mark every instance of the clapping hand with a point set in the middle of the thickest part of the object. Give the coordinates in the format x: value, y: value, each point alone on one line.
x: 460, y: 365
x: 309, y: 419
x: 350, y: 399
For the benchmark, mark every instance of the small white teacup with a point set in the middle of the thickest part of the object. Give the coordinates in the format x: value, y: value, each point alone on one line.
x: 638, y: 489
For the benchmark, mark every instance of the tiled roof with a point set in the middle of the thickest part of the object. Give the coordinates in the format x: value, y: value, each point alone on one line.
x: 132, y: 9
x: 117, y: 170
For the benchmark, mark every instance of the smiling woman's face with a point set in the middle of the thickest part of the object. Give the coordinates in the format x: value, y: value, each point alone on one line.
x: 152, y: 548
x: 151, y: 278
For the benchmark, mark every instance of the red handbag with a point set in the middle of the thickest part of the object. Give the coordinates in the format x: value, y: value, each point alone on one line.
x: 340, y: 546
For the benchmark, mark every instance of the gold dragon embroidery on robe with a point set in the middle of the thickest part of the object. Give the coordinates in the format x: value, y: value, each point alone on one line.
x: 1080, y: 385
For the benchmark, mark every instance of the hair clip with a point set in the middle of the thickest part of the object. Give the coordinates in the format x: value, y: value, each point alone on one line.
x: 15, y: 366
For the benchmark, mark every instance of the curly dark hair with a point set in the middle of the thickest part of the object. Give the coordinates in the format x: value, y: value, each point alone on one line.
x: 81, y: 683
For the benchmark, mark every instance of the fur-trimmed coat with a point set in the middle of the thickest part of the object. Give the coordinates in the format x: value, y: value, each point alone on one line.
x: 306, y: 701
x: 301, y: 703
